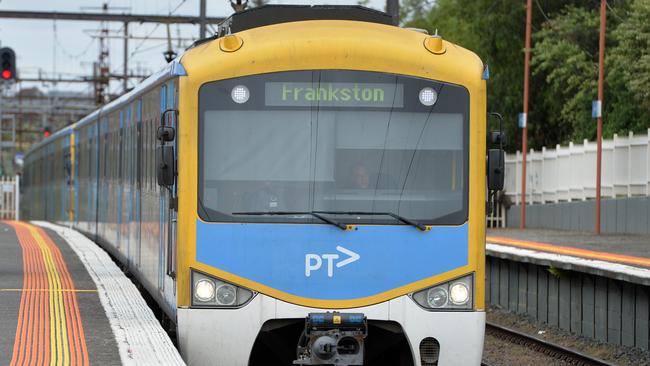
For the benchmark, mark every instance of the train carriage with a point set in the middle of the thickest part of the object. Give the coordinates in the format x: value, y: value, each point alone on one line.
x: 305, y: 187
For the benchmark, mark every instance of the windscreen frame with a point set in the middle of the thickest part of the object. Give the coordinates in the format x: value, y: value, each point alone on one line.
x: 410, y: 103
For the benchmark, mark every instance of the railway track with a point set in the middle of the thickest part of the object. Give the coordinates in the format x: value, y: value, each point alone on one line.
x: 538, y: 345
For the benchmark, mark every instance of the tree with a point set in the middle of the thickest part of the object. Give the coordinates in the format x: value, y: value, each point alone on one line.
x: 628, y: 99
x: 565, y: 54
x: 564, y: 61
x: 493, y: 30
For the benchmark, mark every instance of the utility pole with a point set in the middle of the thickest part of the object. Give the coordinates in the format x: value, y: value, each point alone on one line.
x: 202, y: 19
x: 101, y: 70
x: 170, y: 55
x: 524, y: 116
x: 601, y: 92
x: 125, y: 82
x: 392, y: 8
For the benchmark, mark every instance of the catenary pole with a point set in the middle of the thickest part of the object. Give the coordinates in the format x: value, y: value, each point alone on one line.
x: 125, y: 81
x: 392, y: 8
x: 601, y: 92
x: 524, y: 132
x: 202, y: 27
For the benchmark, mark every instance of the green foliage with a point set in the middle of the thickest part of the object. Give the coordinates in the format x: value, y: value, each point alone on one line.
x: 493, y: 30
x: 628, y: 65
x: 564, y: 64
x: 563, y: 55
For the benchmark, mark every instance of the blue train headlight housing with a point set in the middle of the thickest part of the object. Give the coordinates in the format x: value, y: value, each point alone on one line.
x: 210, y: 292
x: 451, y: 295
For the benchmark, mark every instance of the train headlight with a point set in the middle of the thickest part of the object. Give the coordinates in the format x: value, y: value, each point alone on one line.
x: 226, y: 294
x: 459, y: 293
x: 437, y: 297
x: 204, y: 290
x: 211, y: 292
x: 451, y: 295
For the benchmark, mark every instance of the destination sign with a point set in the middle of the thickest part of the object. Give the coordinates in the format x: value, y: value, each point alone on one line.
x: 289, y: 94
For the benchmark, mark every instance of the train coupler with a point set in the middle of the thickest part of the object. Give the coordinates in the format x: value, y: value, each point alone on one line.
x: 332, y: 339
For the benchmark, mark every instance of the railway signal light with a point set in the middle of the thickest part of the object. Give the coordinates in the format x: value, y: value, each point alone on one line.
x: 46, y: 132
x: 7, y: 64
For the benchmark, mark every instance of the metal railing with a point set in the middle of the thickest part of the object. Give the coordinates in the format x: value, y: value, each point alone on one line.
x: 568, y: 173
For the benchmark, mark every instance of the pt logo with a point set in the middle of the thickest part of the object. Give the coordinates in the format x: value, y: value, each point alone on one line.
x: 313, y: 262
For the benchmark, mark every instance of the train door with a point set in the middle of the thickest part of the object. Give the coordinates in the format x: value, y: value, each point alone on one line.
x: 74, y: 154
x: 93, y: 178
x: 126, y: 159
x: 168, y: 207
x: 102, y: 182
x: 119, y: 185
x: 48, y: 176
x: 127, y: 182
x: 136, y: 246
x: 173, y: 206
x: 64, y: 151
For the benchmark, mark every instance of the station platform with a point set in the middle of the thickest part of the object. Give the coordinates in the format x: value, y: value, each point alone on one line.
x: 624, y: 257
x: 63, y: 301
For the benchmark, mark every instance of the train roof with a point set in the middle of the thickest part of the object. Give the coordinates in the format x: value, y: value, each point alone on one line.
x: 276, y: 14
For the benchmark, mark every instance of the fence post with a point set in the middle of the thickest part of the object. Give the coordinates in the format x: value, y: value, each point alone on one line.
x: 530, y: 169
x: 542, y: 172
x: 17, y: 195
x: 572, y: 171
x: 517, y: 173
x: 614, y: 188
x: 583, y: 175
x: 647, y: 171
x: 630, y: 137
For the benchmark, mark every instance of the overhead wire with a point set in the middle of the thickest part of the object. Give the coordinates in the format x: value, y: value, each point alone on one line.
x: 74, y: 56
x: 614, y: 12
x: 539, y: 6
x: 154, y: 29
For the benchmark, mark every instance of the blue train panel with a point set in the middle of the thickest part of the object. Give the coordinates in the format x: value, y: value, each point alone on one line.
x: 325, y: 263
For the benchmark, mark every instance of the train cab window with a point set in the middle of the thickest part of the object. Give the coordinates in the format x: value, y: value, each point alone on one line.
x: 335, y: 141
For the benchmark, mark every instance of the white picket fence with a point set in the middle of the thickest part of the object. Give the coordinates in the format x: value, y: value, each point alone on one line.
x: 568, y: 173
x: 9, y: 197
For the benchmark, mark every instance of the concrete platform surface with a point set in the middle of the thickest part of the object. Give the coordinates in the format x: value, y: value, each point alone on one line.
x: 622, y: 257
x: 57, y: 304
x: 630, y: 245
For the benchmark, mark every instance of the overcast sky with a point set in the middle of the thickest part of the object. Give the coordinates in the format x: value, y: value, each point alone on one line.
x: 67, y: 48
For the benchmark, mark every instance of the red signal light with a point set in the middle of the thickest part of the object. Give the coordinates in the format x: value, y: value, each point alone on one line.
x: 46, y: 133
x: 6, y: 74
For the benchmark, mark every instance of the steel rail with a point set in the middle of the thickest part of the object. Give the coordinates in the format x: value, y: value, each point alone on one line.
x: 545, y: 347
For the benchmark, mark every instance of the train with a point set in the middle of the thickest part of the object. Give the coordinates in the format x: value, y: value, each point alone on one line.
x: 305, y: 187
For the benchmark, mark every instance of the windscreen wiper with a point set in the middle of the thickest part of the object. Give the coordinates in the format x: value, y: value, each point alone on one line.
x: 282, y: 213
x: 403, y: 219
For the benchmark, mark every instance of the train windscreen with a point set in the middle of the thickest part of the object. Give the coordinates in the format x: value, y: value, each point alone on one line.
x: 351, y: 145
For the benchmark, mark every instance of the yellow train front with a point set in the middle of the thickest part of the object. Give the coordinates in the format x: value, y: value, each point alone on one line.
x: 331, y: 171
x: 307, y: 187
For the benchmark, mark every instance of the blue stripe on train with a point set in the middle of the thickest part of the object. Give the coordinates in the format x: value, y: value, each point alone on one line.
x: 275, y: 255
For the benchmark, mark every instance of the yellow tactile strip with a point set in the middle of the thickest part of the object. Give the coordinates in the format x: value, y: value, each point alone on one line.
x: 49, y: 330
x: 576, y: 252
